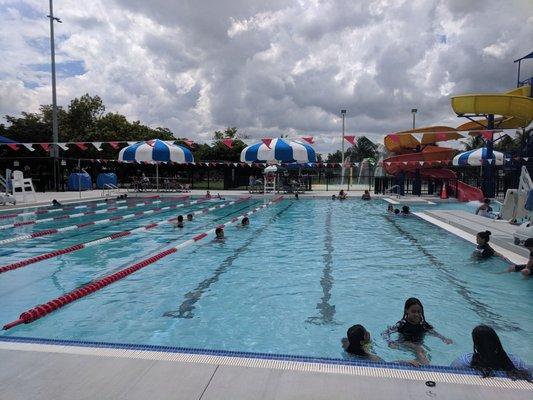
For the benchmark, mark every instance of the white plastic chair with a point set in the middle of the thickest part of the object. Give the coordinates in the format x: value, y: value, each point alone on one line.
x: 22, y: 187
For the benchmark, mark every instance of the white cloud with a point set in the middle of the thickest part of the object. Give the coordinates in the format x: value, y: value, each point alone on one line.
x: 266, y: 67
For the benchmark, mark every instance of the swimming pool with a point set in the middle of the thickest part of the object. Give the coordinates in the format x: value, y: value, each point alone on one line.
x: 290, y: 283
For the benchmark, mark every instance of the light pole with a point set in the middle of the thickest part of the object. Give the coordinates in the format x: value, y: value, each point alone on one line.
x: 413, y: 111
x: 55, y: 130
x: 343, y: 114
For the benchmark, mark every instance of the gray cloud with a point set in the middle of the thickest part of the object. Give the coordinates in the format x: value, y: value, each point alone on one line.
x: 269, y: 67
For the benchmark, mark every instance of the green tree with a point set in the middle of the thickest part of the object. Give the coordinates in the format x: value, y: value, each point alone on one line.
x: 363, y: 148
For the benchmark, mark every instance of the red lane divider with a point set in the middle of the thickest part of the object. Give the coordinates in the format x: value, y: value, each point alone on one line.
x: 82, y: 214
x: 118, y: 235
x: 46, y: 308
x: 88, y: 204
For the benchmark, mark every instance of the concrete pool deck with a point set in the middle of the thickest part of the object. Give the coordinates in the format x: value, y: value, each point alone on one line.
x: 44, y: 371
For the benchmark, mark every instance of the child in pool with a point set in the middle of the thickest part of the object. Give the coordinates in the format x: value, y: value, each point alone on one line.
x: 525, y: 269
x: 483, y: 249
x: 390, y: 209
x: 411, y: 330
x: 245, y: 221
x: 189, y: 217
x: 178, y: 223
x: 219, y: 232
x: 342, y: 195
x: 490, y: 356
x: 357, y: 343
x: 366, y: 195
x: 406, y: 210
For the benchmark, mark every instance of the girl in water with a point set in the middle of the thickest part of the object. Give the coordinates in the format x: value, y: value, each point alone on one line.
x: 357, y: 343
x: 483, y: 249
x: 411, y: 330
x: 489, y: 356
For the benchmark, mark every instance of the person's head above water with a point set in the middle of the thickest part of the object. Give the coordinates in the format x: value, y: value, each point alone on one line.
x: 358, y: 337
x: 333, y: 197
x: 189, y: 217
x: 405, y: 210
x: 413, y: 311
x: 180, y: 218
x: 390, y: 207
x: 529, y: 243
x: 55, y: 202
x: 483, y: 237
x: 396, y: 211
x: 489, y: 354
x: 486, y: 201
x: 219, y: 232
x: 245, y: 221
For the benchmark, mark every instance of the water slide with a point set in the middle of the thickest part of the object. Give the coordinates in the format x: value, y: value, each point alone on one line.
x: 514, y: 108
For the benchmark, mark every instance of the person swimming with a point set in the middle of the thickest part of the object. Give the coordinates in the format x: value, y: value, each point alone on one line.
x: 483, y: 249
x: 489, y: 356
x: 56, y: 203
x: 179, y: 222
x: 245, y: 221
x: 525, y: 269
x: 406, y: 210
x: 208, y: 195
x: 296, y: 196
x: 219, y: 232
x: 342, y: 195
x: 189, y: 217
x: 358, y: 343
x: 333, y: 197
x: 390, y: 209
x: 411, y: 330
x: 396, y: 211
x: 366, y: 195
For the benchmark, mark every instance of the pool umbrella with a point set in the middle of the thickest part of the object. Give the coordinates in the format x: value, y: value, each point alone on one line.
x: 477, y: 157
x: 280, y: 150
x: 155, y: 151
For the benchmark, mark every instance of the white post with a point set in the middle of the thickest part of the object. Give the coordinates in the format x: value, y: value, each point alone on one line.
x: 343, y: 113
x: 157, y: 176
x: 79, y: 177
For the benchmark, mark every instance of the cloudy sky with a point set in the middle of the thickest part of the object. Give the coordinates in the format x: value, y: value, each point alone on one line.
x: 266, y: 67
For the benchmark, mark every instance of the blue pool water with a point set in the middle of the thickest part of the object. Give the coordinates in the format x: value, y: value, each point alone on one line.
x: 292, y: 282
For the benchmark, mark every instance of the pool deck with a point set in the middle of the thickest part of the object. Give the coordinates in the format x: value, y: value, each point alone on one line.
x: 466, y: 225
x: 43, y: 371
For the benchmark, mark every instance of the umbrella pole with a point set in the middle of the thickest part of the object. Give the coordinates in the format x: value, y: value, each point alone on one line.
x: 157, y: 176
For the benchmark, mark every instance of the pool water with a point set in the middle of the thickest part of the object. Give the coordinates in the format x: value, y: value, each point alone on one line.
x: 292, y: 283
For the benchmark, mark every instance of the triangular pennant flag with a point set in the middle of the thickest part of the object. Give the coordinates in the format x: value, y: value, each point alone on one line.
x: 131, y: 143
x: 308, y: 139
x: 388, y: 163
x: 29, y: 146
x: 267, y: 142
x: 526, y: 159
x: 45, y: 146
x: 14, y: 146
x: 405, y: 162
x: 97, y: 145
x: 81, y: 145
x: 63, y: 146
x: 508, y: 159
x: 235, y: 164
x: 421, y: 163
x: 350, y: 139
x: 113, y: 145
x: 356, y: 164
x: 487, y: 135
x: 228, y: 143
x: 418, y: 136
x: 189, y: 142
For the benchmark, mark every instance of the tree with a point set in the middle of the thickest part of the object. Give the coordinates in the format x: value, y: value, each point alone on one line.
x: 474, y: 142
x: 363, y: 148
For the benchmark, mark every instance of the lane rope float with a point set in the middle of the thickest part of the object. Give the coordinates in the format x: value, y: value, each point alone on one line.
x: 53, y: 231
x: 59, y: 302
x: 96, y: 242
x: 82, y: 214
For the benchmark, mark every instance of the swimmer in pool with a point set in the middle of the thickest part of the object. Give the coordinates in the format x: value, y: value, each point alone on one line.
x: 189, y: 217
x: 245, y: 221
x: 219, y: 232
x: 178, y: 223
x: 483, y: 249
x: 525, y: 269
x: 411, y: 330
x: 390, y: 209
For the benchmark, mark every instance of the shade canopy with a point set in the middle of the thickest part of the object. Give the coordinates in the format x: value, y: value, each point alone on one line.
x: 280, y: 150
x: 155, y: 151
x: 478, y: 157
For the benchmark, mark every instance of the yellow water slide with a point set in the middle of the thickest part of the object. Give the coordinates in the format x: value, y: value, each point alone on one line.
x: 515, y: 108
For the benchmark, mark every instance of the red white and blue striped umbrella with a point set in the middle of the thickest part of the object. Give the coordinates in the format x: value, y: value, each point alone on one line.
x: 281, y: 150
x: 478, y: 157
x: 155, y: 151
